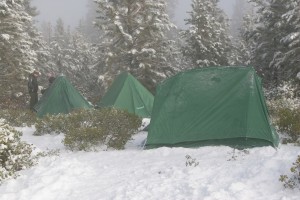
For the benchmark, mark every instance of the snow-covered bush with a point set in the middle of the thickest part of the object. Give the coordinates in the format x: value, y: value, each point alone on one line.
x: 292, y: 181
x: 90, y: 129
x: 109, y: 128
x: 51, y: 124
x: 284, y: 96
x: 18, y: 117
x: 288, y: 121
x: 15, y: 155
x: 284, y: 107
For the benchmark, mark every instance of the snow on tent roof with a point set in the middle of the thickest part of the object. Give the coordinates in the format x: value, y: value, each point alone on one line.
x: 211, y: 106
x: 129, y: 94
x: 60, y: 97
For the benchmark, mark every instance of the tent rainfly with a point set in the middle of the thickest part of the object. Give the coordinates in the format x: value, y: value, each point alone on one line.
x: 211, y: 106
x: 127, y: 93
x: 60, y: 97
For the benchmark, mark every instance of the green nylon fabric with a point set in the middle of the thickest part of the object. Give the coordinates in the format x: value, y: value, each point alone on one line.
x: 129, y: 94
x: 211, y: 106
x: 60, y: 97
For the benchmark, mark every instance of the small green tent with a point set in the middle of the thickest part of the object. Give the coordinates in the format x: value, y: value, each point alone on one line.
x: 129, y: 94
x: 60, y: 97
x: 211, y: 106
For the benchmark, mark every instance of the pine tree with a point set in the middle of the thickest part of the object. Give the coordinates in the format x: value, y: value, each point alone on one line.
x: 243, y: 43
x: 47, y: 31
x: 82, y: 57
x: 207, y: 39
x: 289, y: 58
x: 31, y: 10
x: 87, y: 25
x: 73, y: 56
x: 171, y: 6
x: 38, y: 44
x: 135, y: 38
x: 276, y: 39
x: 240, y: 8
x: 59, y: 48
x: 17, y: 55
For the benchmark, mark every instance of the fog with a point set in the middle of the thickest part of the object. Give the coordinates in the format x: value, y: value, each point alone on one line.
x: 185, y: 5
x: 71, y: 11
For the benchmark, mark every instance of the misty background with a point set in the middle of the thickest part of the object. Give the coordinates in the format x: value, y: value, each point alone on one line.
x: 139, y: 37
x: 71, y: 11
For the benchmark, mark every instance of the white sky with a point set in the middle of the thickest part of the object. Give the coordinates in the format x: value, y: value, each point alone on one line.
x: 71, y: 11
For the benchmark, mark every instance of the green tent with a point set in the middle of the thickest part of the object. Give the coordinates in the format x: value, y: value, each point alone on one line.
x: 211, y: 106
x: 129, y: 94
x: 60, y: 97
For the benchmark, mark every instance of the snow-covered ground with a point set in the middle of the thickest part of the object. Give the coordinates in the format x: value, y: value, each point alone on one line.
x: 160, y: 174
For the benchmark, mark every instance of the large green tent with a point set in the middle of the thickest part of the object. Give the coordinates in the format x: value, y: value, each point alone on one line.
x: 129, y: 94
x: 211, y: 106
x: 60, y: 97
